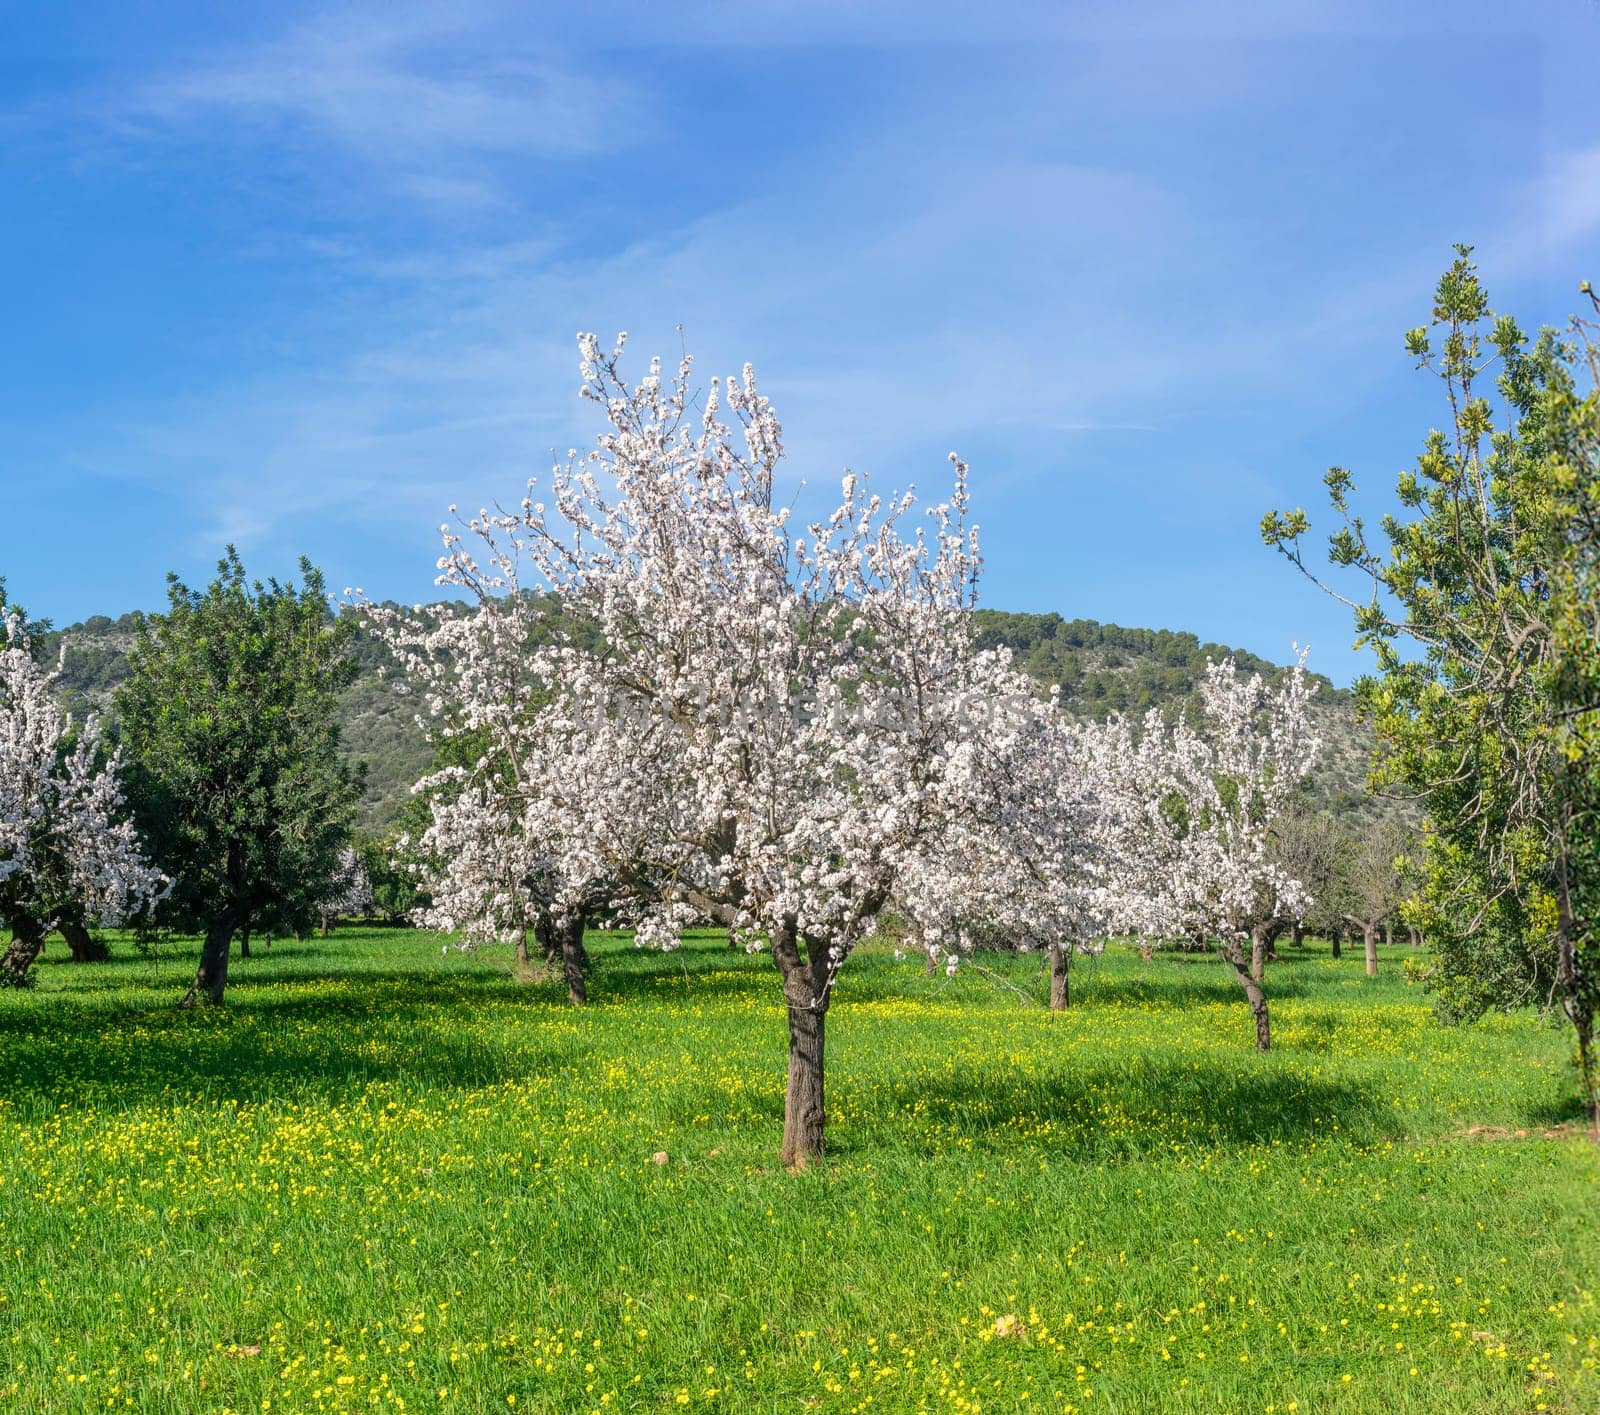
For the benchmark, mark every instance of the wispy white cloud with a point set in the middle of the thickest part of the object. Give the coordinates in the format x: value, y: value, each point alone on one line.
x: 415, y: 97
x: 1559, y: 212
x: 470, y: 380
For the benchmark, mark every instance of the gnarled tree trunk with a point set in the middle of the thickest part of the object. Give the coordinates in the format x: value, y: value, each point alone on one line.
x: 1253, y: 994
x: 544, y: 933
x: 1060, y: 979
x: 85, y: 947
x: 1297, y: 934
x: 1336, y: 938
x: 1261, y: 939
x: 522, y: 947
x: 804, y: 1114
x: 1369, y: 937
x: 574, y: 959
x: 211, y: 978
x: 27, y: 943
x: 806, y: 995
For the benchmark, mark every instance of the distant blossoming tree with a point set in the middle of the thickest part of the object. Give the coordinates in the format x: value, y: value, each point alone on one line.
x: 538, y: 821
x: 1201, y: 800
x: 1028, y: 866
x: 1374, y: 883
x: 349, y: 893
x: 67, y: 850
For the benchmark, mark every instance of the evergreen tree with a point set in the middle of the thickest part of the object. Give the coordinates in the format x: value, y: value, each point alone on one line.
x: 230, y: 723
x: 1481, y: 614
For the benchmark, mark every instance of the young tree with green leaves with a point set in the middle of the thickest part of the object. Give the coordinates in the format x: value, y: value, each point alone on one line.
x: 1479, y: 607
x: 236, y: 765
x: 32, y: 629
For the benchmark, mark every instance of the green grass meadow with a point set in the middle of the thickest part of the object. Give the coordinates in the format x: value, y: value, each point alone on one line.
x: 388, y: 1178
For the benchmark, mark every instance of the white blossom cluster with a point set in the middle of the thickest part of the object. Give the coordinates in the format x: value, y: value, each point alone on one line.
x: 1029, y: 860
x: 65, y: 842
x: 1199, y: 800
x: 350, y: 890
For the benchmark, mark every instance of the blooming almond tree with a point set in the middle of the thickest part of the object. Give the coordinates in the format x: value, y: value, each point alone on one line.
x: 349, y: 893
x: 67, y: 851
x: 539, y: 818
x: 1028, y: 866
x: 1201, y: 799
x: 781, y: 716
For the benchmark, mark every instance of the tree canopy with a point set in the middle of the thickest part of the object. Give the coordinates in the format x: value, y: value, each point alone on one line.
x: 230, y: 723
x: 1479, y: 606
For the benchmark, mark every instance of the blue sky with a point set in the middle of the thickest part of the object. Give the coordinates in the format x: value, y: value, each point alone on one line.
x: 301, y: 277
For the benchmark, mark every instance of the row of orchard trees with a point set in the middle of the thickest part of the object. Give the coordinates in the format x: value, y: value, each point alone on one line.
x: 666, y: 701
x: 225, y: 807
x: 678, y: 705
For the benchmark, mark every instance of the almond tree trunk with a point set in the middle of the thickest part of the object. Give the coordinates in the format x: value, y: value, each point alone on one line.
x: 1337, y: 939
x: 1369, y: 937
x: 806, y: 993
x: 522, y: 947
x: 1258, y: 956
x: 1060, y: 980
x: 574, y: 960
x: 27, y: 943
x: 1253, y: 995
x: 804, y: 1115
x: 544, y: 933
x: 86, y: 948
x: 1297, y: 935
x: 1261, y: 940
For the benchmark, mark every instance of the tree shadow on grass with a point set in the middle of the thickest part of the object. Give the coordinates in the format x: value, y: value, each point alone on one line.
x: 1175, y: 991
x: 302, y: 1038
x: 1566, y: 1110
x: 1105, y: 1113
x: 1150, y: 1106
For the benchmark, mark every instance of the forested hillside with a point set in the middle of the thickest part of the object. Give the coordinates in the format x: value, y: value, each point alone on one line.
x: 1105, y: 668
x: 1100, y: 669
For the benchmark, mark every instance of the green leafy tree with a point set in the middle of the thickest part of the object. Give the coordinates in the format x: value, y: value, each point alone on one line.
x: 1479, y: 607
x: 230, y: 723
x: 394, y: 882
x: 33, y: 629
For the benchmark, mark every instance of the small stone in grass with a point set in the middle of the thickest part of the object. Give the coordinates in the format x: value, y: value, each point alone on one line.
x: 659, y: 1157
